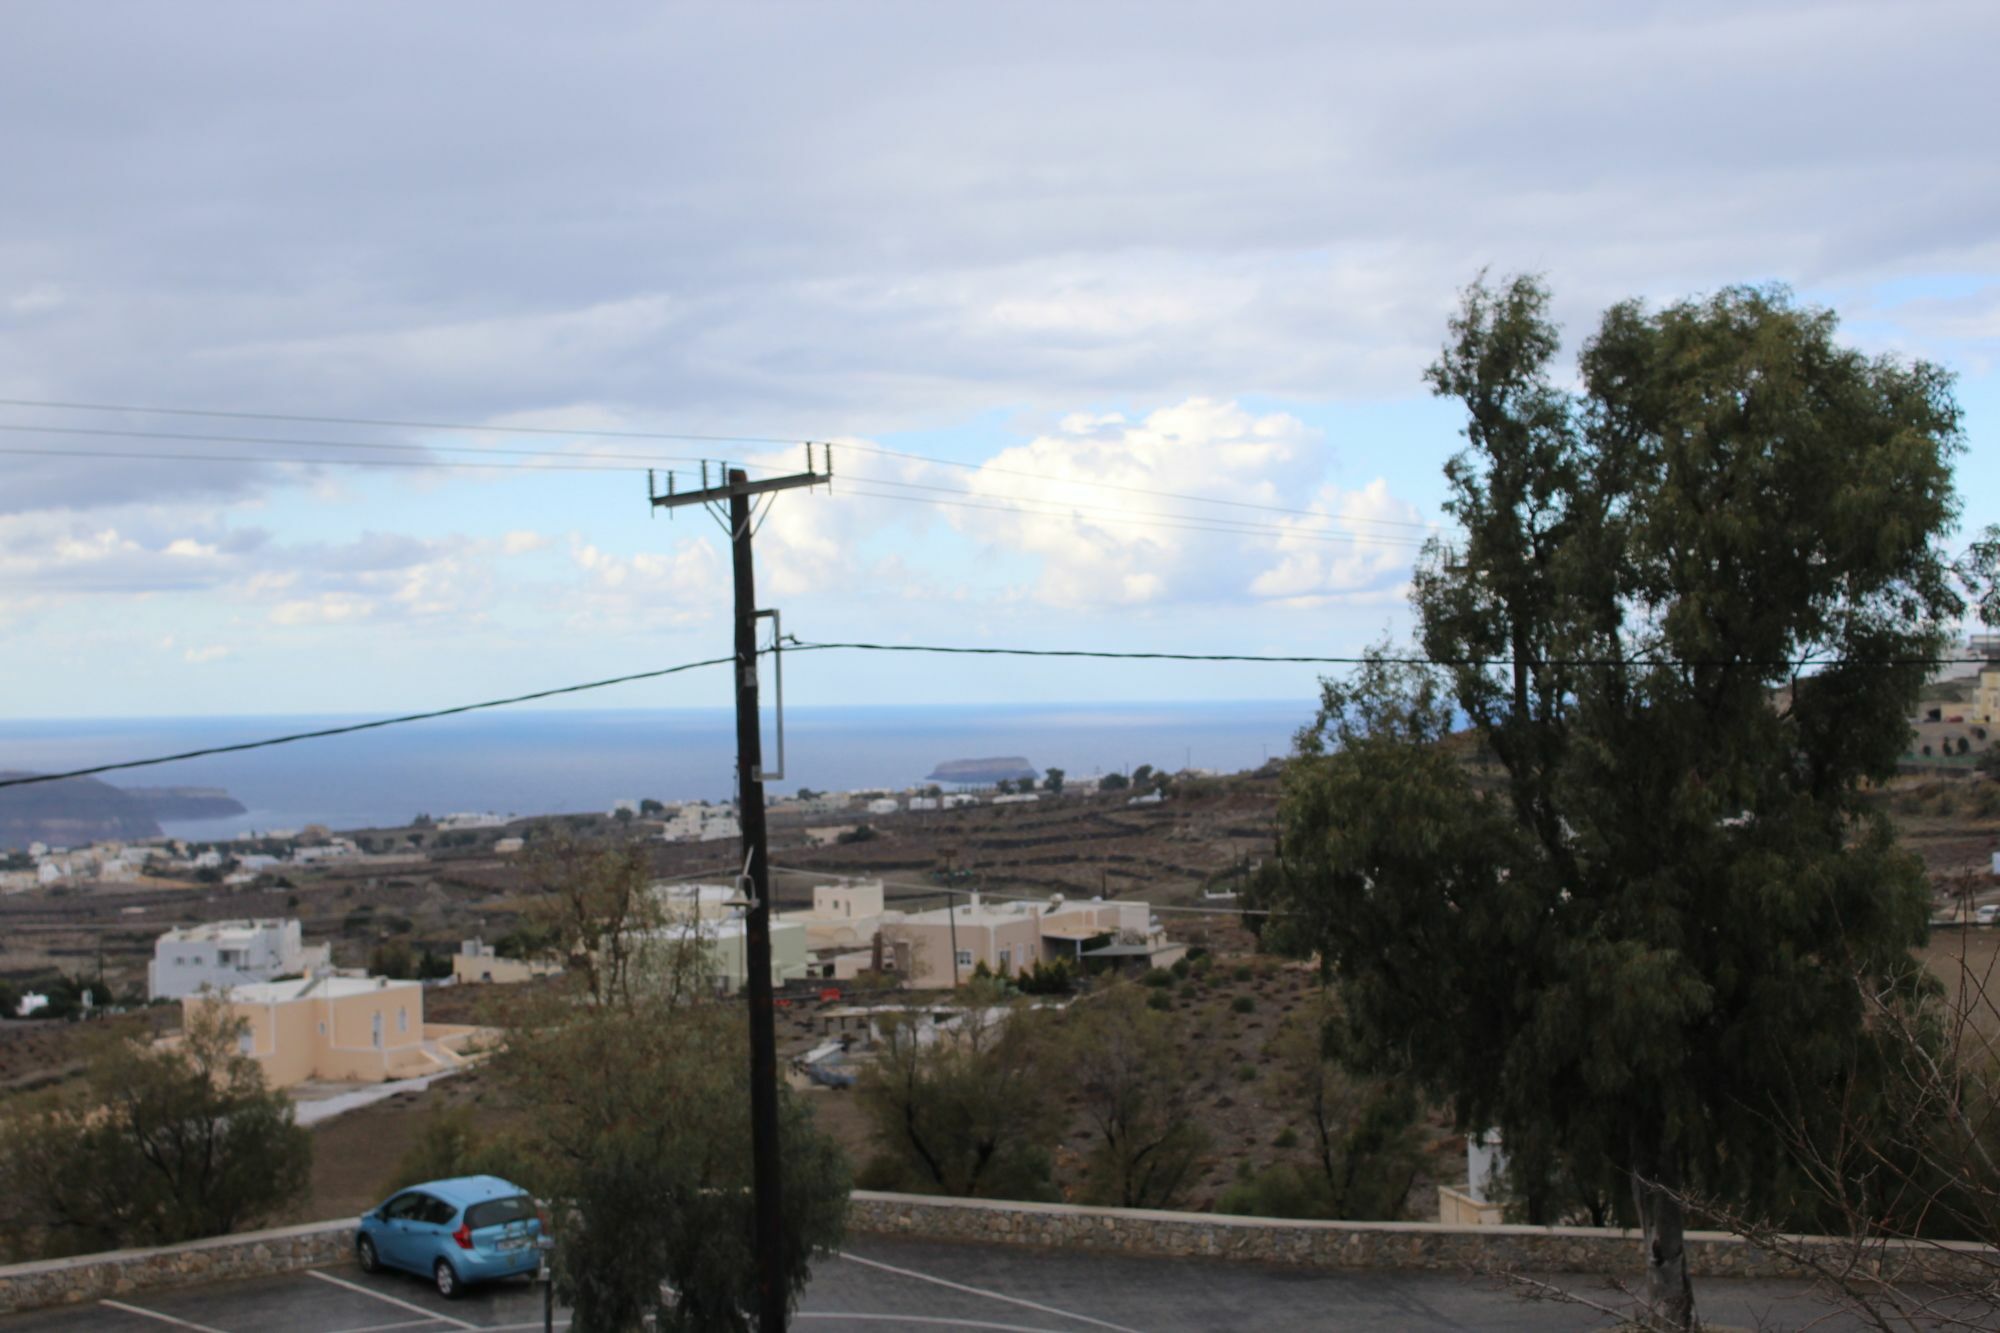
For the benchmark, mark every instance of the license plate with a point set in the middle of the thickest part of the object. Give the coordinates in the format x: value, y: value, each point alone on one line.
x: 513, y: 1243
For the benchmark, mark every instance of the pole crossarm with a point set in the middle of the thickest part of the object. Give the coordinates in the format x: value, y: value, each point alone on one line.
x: 712, y: 494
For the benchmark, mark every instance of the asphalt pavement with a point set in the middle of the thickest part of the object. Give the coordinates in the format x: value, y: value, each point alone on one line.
x: 904, y: 1284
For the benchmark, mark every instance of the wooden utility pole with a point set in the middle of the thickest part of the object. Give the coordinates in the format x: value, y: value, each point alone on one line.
x: 737, y: 491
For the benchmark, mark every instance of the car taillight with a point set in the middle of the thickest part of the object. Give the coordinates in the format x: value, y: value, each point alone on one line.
x: 463, y: 1236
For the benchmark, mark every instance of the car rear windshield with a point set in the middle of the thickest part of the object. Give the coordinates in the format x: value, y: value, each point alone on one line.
x: 498, y: 1212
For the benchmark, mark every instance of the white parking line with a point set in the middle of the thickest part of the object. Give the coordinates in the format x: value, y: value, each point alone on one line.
x: 990, y: 1295
x: 163, y: 1318
x: 934, y: 1319
x: 384, y: 1328
x: 430, y: 1317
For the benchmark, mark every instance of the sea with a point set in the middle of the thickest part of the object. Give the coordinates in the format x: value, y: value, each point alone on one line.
x: 573, y: 760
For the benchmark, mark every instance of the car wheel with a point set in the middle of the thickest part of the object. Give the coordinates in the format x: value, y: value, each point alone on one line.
x: 446, y: 1278
x: 364, y: 1254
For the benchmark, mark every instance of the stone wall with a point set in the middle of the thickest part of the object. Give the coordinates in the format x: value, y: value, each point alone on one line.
x: 1326, y: 1245
x: 1374, y: 1245
x: 92, y: 1277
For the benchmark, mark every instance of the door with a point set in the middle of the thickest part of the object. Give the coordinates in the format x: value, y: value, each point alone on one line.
x: 397, y: 1241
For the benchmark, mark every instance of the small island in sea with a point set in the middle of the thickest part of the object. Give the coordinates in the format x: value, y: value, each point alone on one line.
x: 983, y: 772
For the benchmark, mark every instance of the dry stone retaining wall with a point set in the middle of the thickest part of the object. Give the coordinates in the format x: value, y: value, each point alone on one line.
x: 1329, y: 1245
x: 91, y: 1277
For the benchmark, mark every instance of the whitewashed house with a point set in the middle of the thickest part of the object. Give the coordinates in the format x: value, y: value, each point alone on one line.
x: 221, y: 954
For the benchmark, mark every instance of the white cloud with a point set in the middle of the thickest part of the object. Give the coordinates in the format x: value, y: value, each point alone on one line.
x: 214, y: 652
x: 332, y: 608
x: 1091, y: 501
x: 646, y: 590
x: 521, y: 542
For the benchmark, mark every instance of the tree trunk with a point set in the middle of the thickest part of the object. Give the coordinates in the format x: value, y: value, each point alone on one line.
x: 1656, y: 1189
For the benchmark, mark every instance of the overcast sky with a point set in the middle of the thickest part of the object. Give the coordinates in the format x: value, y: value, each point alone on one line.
x: 1063, y: 249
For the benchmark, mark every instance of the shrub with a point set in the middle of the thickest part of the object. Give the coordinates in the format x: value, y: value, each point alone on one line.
x: 1243, y: 1004
x: 1159, y: 999
x: 1158, y: 976
x: 1244, y: 972
x: 1287, y: 1138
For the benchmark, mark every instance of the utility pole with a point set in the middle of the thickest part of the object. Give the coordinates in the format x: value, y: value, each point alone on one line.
x: 738, y: 492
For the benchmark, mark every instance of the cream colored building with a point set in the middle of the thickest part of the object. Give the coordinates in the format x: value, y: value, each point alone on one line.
x: 945, y: 946
x: 338, y: 1029
x: 843, y: 916
x: 726, y: 950
x: 476, y: 962
x: 1986, y: 698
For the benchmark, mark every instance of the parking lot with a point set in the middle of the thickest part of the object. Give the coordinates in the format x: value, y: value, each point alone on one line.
x: 880, y: 1283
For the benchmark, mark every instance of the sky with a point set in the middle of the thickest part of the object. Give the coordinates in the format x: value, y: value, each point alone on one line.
x: 1040, y: 273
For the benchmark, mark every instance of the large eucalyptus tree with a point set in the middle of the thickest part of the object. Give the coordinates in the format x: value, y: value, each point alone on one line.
x: 1691, y: 602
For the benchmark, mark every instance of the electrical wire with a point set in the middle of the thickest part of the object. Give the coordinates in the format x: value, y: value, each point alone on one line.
x: 1147, y: 518
x: 351, y: 728
x: 396, y: 425
x: 601, y: 433
x: 933, y: 889
x: 192, y: 437
x: 794, y: 644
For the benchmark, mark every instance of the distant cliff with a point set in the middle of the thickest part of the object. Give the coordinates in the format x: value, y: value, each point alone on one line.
x: 71, y: 813
x: 187, y: 802
x: 983, y: 772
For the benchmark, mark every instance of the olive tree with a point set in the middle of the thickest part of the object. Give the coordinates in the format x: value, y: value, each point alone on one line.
x: 167, y: 1144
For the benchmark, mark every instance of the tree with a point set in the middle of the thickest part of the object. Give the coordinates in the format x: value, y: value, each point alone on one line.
x: 1112, y: 782
x: 169, y: 1145
x: 1363, y: 1133
x: 1053, y: 780
x: 1138, y: 1093
x: 1004, y: 787
x: 964, y: 1112
x: 1142, y: 777
x: 1615, y: 936
x: 651, y: 808
x: 1026, y: 784
x: 638, y: 1132
x: 594, y: 900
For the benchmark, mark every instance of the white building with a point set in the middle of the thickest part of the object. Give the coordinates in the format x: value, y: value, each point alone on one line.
x: 222, y: 954
x: 484, y: 819
x: 884, y: 805
x: 702, y: 823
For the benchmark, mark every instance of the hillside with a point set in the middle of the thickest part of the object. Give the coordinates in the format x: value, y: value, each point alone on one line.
x: 71, y: 813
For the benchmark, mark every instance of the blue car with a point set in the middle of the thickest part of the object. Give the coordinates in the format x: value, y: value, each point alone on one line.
x: 454, y: 1232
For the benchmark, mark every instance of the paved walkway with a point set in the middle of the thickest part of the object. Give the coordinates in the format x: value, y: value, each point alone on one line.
x: 920, y: 1285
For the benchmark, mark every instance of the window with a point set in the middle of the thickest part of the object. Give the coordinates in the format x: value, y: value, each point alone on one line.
x: 322, y: 1027
x: 411, y: 1207
x: 246, y: 1043
x: 965, y: 958
x: 1006, y: 959
x: 402, y: 1020
x: 499, y: 1212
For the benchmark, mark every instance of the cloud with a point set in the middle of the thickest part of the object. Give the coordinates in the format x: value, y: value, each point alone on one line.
x: 523, y: 543
x: 646, y: 590
x: 1091, y: 502
x: 213, y: 652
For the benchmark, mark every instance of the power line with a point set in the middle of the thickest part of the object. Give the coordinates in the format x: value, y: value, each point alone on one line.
x: 797, y: 645
x: 417, y: 463
x: 360, y: 726
x: 932, y: 890
x: 1063, y: 508
x: 800, y: 645
x: 602, y: 433
x: 1134, y: 519
x: 194, y: 437
x: 398, y: 425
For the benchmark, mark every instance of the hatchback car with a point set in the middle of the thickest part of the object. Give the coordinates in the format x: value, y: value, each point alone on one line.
x: 454, y: 1232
